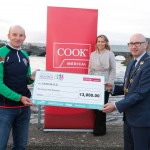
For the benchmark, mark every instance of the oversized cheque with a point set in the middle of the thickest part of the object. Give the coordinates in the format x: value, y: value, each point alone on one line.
x: 68, y: 90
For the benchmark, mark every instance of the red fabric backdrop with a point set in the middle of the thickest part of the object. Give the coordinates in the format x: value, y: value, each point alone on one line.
x: 71, y: 34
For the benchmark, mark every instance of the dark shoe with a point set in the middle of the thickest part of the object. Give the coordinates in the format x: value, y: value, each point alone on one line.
x: 100, y: 132
x: 100, y: 123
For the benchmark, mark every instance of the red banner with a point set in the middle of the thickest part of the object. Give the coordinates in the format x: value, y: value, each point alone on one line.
x: 71, y: 34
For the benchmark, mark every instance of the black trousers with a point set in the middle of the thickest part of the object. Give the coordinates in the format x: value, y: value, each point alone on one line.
x: 100, y: 119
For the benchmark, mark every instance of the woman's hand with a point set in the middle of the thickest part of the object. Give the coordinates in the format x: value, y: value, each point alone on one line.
x: 109, y: 86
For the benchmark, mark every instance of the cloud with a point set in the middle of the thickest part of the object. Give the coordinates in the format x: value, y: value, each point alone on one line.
x: 116, y: 18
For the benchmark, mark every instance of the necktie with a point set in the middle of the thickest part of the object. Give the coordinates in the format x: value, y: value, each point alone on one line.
x: 133, y: 66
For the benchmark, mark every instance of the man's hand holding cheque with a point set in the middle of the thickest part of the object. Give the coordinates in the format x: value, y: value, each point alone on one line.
x: 109, y: 107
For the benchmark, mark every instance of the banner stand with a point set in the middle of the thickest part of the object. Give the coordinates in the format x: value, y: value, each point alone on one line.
x: 67, y: 130
x: 39, y: 116
x: 70, y: 130
x: 71, y: 35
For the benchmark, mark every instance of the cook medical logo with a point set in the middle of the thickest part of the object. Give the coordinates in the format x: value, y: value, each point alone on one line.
x: 71, y: 55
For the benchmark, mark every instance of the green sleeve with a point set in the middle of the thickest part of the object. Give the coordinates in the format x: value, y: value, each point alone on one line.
x: 28, y: 75
x: 29, y: 68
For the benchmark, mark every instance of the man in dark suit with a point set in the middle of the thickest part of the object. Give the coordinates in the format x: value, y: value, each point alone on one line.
x: 136, y: 103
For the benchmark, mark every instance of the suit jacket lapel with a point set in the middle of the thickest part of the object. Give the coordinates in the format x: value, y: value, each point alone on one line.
x: 129, y: 69
x: 138, y: 64
x: 129, y: 73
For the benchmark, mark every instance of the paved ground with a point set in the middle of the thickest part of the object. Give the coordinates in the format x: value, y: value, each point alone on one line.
x: 54, y: 140
x: 41, y: 140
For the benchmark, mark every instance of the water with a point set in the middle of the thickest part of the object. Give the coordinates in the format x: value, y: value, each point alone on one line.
x: 38, y: 62
x: 119, y: 48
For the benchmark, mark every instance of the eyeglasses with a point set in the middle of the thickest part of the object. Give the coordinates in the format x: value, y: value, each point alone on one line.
x: 136, y: 44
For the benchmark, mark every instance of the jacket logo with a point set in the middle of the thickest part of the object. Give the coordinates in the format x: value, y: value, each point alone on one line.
x: 7, y: 59
x: 25, y: 61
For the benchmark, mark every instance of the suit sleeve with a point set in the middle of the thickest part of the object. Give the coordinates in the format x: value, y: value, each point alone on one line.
x: 118, y: 90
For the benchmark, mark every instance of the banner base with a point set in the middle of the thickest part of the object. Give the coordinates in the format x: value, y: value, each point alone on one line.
x: 69, y: 130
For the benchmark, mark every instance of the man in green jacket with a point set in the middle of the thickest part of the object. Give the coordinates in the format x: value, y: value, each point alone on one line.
x: 15, y: 75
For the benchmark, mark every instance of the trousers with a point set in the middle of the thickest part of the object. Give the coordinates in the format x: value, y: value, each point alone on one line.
x: 136, y: 138
x: 100, y: 119
x: 17, y: 120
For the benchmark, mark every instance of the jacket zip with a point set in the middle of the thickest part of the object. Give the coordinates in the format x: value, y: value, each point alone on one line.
x: 18, y: 56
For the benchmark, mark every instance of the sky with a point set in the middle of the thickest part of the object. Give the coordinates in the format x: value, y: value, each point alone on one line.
x: 117, y: 19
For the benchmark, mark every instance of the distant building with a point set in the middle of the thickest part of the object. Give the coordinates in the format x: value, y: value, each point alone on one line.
x: 148, y: 48
x: 2, y: 44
